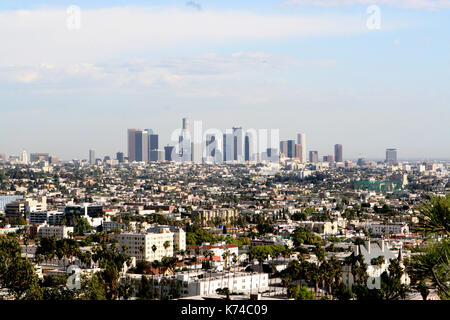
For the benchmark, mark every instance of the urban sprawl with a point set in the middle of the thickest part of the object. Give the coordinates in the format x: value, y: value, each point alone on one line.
x: 223, y: 218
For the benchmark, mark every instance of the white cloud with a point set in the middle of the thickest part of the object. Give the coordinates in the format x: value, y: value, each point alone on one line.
x: 170, y: 71
x: 404, y: 4
x: 27, y: 77
x: 30, y: 37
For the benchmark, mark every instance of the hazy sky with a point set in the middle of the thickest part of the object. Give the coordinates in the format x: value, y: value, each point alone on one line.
x: 310, y: 66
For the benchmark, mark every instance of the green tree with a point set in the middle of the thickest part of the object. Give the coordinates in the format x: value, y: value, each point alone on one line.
x: 17, y: 274
x: 301, y: 293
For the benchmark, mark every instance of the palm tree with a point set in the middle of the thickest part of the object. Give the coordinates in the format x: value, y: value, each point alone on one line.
x: 154, y: 248
x: 225, y: 256
x: 166, y: 245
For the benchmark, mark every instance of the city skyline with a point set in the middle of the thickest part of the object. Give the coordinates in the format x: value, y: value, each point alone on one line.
x: 149, y: 141
x: 291, y: 65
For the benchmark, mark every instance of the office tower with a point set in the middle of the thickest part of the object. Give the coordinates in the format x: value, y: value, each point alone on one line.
x: 391, y: 156
x: 291, y: 148
x: 228, y: 147
x: 284, y: 148
x: 186, y: 124
x: 120, y: 157
x: 298, y: 152
x: 213, y: 148
x: 2, y: 157
x: 210, y: 146
x: 328, y: 158
x: 106, y: 158
x: 168, y: 153
x: 251, y: 146
x: 153, y: 143
x: 238, y: 145
x: 301, y: 139
x: 196, y: 152
x: 313, y: 156
x: 24, y: 157
x: 141, y: 145
x: 185, y: 145
x: 132, y: 144
x: 338, y: 152
x: 91, y: 157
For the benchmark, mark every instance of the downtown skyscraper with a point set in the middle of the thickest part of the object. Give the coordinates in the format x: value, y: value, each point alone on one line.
x: 301, y: 140
x: 338, y: 153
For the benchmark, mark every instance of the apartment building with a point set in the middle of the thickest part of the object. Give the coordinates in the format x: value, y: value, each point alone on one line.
x: 221, y: 215
x: 204, y: 284
x: 324, y: 228
x: 156, y: 243
x: 387, y: 228
x: 59, y: 232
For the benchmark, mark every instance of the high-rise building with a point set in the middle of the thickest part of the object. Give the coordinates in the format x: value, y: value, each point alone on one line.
x: 185, y: 145
x: 291, y: 148
x: 91, y: 157
x: 391, y: 156
x: 186, y: 124
x: 132, y: 144
x: 141, y: 145
x: 238, y: 145
x: 153, y: 143
x: 153, y: 147
x: 301, y: 139
x: 298, y: 152
x: 196, y: 152
x: 251, y: 146
x: 24, y: 157
x: 338, y: 152
x: 313, y: 156
x: 168, y: 152
x: 284, y: 148
x: 213, y: 148
x: 328, y: 158
x: 120, y: 157
x: 228, y: 147
x: 2, y: 157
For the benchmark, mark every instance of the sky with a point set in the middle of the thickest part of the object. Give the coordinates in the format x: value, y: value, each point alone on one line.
x: 369, y: 75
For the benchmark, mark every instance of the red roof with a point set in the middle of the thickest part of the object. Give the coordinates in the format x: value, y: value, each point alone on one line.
x: 214, y: 258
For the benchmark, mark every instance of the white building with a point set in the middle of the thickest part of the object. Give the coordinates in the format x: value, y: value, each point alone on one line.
x: 156, y: 243
x: 389, y: 228
x: 206, y: 284
x: 369, y: 251
x: 60, y: 232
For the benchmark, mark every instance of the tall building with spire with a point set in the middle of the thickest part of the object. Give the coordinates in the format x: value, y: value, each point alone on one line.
x: 185, y: 144
x: 24, y: 157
